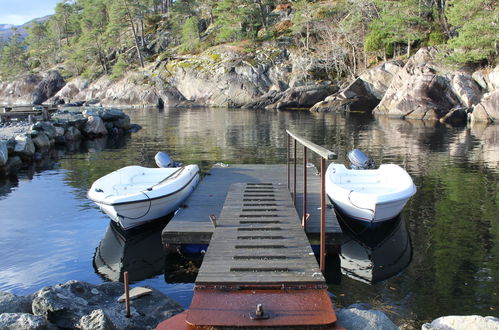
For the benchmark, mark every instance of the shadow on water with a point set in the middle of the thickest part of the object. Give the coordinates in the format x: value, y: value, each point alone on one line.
x: 138, y: 251
x: 374, y: 253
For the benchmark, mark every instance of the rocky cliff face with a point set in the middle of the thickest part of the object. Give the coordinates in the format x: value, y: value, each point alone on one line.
x: 420, y: 89
x: 273, y: 77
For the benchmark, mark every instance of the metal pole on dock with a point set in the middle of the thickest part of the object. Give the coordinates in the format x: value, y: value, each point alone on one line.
x: 322, y: 259
x: 288, y: 151
x: 294, y: 172
x: 304, y: 222
x: 127, y: 294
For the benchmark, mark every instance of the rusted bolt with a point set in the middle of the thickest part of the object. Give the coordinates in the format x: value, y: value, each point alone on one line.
x: 259, y: 314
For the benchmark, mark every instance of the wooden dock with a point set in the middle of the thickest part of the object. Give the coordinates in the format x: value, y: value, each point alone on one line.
x: 191, y: 224
x: 259, y: 269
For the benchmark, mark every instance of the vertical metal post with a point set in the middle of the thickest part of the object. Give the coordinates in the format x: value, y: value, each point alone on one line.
x: 294, y: 171
x: 303, y: 221
x: 322, y: 259
x: 127, y: 294
x: 287, y: 147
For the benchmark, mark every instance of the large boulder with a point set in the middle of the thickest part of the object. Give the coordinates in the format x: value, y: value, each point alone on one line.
x: 31, y: 88
x: 24, y: 148
x: 364, y: 93
x: 50, y: 84
x: 72, y: 134
x: 22, y: 321
x: 302, y: 96
x: 488, y: 109
x: 95, y: 127
x: 356, y: 318
x: 11, y: 303
x: 4, y: 153
x: 70, y: 117
x: 74, y: 304
x: 41, y: 141
x: 466, y: 89
x: 70, y: 90
x: 468, y: 322
x: 418, y: 92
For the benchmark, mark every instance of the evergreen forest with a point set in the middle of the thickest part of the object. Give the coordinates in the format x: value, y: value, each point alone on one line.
x: 91, y: 38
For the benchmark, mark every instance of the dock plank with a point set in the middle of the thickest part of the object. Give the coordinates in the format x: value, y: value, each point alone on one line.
x: 225, y: 263
x: 191, y: 224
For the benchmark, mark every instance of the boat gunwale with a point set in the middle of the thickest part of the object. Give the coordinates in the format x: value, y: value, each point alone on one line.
x: 142, y: 192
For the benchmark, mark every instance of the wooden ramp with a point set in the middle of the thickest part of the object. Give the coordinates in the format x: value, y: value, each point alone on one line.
x: 259, y: 269
x: 191, y: 224
x: 259, y: 240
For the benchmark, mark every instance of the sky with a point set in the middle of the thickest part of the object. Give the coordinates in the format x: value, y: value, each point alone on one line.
x: 18, y: 12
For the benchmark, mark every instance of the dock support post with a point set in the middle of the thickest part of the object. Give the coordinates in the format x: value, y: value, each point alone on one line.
x: 322, y: 259
x: 127, y: 294
x: 294, y: 172
x: 289, y: 160
x: 304, y: 222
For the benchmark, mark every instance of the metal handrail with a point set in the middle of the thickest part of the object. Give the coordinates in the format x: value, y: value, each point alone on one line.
x: 325, y: 155
x: 321, y: 151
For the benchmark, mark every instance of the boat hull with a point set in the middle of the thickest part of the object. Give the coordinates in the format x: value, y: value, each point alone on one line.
x: 369, y: 195
x: 133, y: 196
x: 133, y: 214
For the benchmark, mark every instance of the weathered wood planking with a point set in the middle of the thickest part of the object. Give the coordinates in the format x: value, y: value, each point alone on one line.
x: 259, y: 246
x: 191, y: 224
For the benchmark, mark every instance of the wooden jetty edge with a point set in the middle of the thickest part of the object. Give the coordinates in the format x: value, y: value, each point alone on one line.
x: 259, y: 270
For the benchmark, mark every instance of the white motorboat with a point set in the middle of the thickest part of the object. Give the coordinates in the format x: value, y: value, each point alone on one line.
x: 367, y: 194
x: 134, y: 195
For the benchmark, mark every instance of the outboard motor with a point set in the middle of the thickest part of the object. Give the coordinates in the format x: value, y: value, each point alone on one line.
x: 163, y: 160
x: 359, y: 160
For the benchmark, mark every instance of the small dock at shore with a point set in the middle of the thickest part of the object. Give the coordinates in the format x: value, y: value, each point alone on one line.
x: 259, y: 270
x: 26, y: 112
x: 192, y: 225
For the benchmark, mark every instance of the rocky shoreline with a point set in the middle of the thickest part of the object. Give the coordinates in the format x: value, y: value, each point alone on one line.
x: 81, y: 305
x: 22, y: 143
x: 274, y: 77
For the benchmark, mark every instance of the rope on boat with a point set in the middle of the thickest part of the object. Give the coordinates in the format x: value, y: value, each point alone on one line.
x: 147, y: 212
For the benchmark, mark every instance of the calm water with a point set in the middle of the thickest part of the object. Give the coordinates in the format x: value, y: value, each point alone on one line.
x: 51, y: 233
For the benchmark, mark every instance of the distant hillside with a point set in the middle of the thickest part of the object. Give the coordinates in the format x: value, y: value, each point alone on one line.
x: 6, y: 30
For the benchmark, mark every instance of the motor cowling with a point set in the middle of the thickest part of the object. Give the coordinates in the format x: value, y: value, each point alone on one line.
x: 359, y: 160
x: 163, y: 160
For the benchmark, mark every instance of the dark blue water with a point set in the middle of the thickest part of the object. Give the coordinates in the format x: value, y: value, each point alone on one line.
x: 52, y: 233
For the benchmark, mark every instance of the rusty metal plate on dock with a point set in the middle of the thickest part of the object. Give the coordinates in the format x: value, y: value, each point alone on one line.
x: 307, y: 307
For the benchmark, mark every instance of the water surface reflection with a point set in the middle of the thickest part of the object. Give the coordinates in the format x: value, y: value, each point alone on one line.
x: 452, y: 219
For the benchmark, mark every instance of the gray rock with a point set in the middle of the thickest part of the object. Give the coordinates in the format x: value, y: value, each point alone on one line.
x: 4, y: 153
x: 479, y: 78
x: 13, y: 163
x: 22, y: 321
x: 96, y: 320
x: 303, y: 96
x: 466, y: 89
x: 25, y: 147
x: 354, y: 318
x: 72, y: 134
x: 66, y: 304
x: 45, y: 127
x: 95, y: 127
x: 106, y: 114
x: 50, y: 84
x: 493, y: 79
x: 488, y: 109
x: 70, y: 118
x: 11, y: 303
x: 469, y: 322
x: 42, y: 141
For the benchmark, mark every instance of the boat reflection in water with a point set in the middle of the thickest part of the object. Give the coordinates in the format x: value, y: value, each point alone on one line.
x: 138, y: 251
x: 371, y: 254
